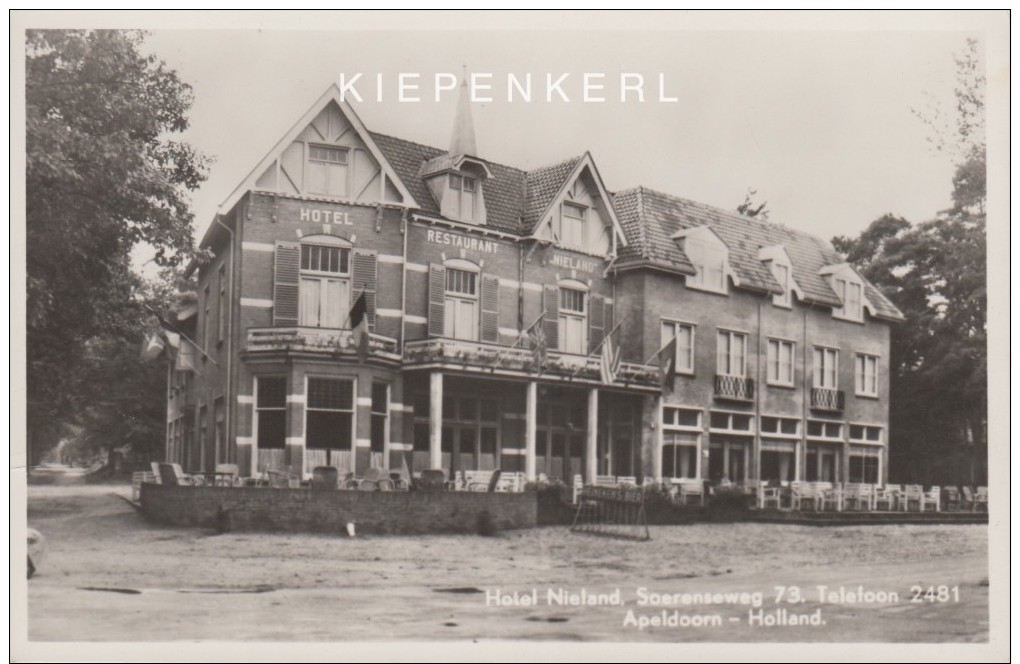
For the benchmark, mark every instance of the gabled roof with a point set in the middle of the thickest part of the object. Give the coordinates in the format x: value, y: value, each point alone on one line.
x: 651, y: 218
x: 331, y: 95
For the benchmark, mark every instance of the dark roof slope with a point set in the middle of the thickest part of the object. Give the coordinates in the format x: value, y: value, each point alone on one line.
x: 542, y: 186
x: 651, y: 218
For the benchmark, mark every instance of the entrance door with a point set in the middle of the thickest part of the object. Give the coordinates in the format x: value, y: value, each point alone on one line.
x: 727, y: 459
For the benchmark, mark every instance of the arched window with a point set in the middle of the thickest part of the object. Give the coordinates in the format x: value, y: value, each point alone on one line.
x: 573, y: 311
x: 325, y: 282
x: 461, y: 319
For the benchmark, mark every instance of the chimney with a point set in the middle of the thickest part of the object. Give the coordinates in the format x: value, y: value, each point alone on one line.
x: 463, y: 140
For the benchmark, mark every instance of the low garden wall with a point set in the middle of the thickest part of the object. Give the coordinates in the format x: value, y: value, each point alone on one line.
x: 317, y: 511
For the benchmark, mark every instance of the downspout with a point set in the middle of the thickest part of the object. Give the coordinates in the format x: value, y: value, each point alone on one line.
x: 404, y: 230
x: 229, y: 397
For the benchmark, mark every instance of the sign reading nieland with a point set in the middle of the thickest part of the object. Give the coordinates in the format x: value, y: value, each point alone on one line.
x: 573, y: 262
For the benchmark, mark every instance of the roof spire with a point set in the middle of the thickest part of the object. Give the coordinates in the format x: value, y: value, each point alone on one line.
x: 463, y: 140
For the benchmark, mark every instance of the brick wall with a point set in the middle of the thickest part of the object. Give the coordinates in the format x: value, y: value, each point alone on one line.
x: 305, y: 510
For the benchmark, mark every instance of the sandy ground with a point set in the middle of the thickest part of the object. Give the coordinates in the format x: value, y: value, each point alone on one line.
x: 110, y: 576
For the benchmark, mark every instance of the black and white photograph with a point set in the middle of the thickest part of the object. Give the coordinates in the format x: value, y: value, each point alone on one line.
x: 509, y: 335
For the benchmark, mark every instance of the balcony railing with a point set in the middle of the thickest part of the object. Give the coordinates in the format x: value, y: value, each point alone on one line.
x: 734, y: 388
x: 482, y: 357
x: 317, y: 341
x: 824, y: 398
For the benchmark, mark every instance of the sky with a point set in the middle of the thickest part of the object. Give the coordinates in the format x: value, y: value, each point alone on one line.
x: 819, y: 122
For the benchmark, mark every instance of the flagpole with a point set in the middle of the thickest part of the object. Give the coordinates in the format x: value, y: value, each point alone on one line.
x: 520, y: 337
x: 656, y: 354
x: 597, y: 348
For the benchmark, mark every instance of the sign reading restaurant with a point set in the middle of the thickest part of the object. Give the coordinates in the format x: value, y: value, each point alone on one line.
x: 461, y: 241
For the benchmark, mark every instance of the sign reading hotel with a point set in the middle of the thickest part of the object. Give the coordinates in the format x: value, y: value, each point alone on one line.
x: 325, y: 216
x: 462, y: 241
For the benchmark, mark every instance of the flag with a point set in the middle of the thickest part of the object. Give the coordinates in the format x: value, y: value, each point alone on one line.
x: 361, y: 335
x: 667, y: 365
x: 152, y: 346
x: 358, y: 311
x: 536, y: 337
x: 187, y: 357
x: 609, y: 366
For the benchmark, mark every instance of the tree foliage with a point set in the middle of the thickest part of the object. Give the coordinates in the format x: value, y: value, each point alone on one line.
x: 751, y: 208
x: 935, y: 272
x: 103, y: 174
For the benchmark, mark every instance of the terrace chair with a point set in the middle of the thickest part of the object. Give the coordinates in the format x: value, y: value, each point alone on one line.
x: 476, y: 480
x: 968, y: 498
x: 692, y: 489
x: 885, y: 498
x: 770, y: 494
x: 803, y: 494
x: 829, y: 495
x: 981, y: 499
x: 913, y: 494
x: 605, y: 480
x: 432, y: 480
x: 281, y: 479
x: 951, y: 495
x: 932, y: 497
x: 578, y: 486
x: 324, y: 478
x: 858, y: 497
x: 510, y: 482
x: 628, y: 481
x: 376, y: 479
x: 155, y: 472
x: 173, y: 475
x: 234, y: 479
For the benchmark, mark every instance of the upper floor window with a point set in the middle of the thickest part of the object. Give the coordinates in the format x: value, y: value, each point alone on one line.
x: 734, y: 422
x: 461, y: 318
x: 681, y: 418
x: 826, y: 367
x: 781, y: 272
x: 709, y: 256
x: 573, y: 320
x: 866, y: 375
x: 328, y: 170
x: 780, y: 426
x: 862, y: 433
x: 780, y: 362
x: 732, y: 354
x: 464, y: 197
x: 325, y: 289
x: 572, y: 228
x: 684, y: 334
x: 850, y: 292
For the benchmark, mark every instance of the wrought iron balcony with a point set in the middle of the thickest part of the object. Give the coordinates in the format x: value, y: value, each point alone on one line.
x: 480, y: 357
x: 824, y: 398
x: 734, y: 388
x: 316, y: 341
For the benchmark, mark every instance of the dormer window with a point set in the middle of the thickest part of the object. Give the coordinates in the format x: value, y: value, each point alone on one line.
x: 463, y: 199
x: 328, y: 170
x: 781, y: 272
x: 710, y: 258
x: 575, y: 218
x: 850, y: 292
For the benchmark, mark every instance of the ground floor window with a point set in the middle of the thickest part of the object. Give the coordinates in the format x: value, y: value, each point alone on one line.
x: 680, y: 455
x: 329, y: 417
x: 863, y: 464
x: 727, y: 459
x: 822, y: 463
x: 778, y: 461
x: 380, y: 416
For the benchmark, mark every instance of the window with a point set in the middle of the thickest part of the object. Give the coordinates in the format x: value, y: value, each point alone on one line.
x: 221, y: 315
x: 380, y: 412
x: 850, y: 293
x: 866, y: 375
x: 732, y: 354
x: 573, y: 224
x: 461, y: 319
x: 573, y: 321
x: 863, y: 465
x: 206, y: 321
x: 781, y: 271
x: 734, y: 422
x: 271, y: 412
x: 684, y: 344
x: 464, y: 196
x: 826, y: 367
x: 780, y: 362
x: 328, y: 170
x: 828, y: 430
x: 708, y: 256
x: 865, y: 434
x: 329, y: 413
x: 680, y: 454
x: 780, y: 426
x: 681, y: 418
x: 325, y: 286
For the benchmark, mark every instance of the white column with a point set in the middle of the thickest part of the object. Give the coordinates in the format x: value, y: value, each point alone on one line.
x: 436, y: 420
x: 657, y: 437
x: 591, y: 449
x: 529, y: 430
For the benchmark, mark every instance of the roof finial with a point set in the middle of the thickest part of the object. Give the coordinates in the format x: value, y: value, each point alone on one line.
x: 463, y: 139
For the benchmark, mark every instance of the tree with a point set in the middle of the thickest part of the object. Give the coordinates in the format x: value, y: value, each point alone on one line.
x: 749, y: 208
x: 103, y: 174
x: 935, y: 272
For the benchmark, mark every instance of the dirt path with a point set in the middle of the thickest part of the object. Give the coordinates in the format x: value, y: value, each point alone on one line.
x: 111, y: 576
